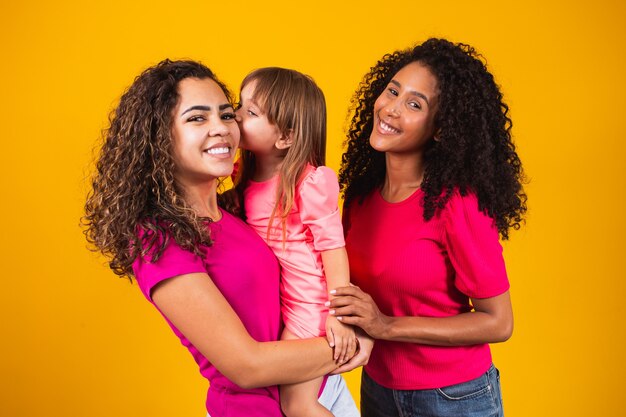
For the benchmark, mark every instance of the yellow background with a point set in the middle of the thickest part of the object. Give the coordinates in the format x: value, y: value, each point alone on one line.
x: 77, y: 341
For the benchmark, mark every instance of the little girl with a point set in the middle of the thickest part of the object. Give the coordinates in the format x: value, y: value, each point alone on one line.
x: 290, y: 199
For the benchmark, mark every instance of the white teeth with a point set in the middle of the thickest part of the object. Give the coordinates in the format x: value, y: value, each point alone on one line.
x: 386, y: 128
x: 218, y: 151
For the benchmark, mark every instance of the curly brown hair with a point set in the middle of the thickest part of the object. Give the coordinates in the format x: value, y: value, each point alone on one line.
x: 474, y: 151
x: 135, y: 204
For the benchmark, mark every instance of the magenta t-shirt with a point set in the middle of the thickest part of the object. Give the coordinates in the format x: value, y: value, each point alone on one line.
x: 413, y: 267
x: 246, y: 272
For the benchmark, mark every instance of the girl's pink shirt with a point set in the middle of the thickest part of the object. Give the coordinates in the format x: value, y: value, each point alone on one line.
x: 413, y: 267
x: 313, y: 225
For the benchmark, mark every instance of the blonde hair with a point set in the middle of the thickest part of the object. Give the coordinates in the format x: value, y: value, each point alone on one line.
x: 296, y: 106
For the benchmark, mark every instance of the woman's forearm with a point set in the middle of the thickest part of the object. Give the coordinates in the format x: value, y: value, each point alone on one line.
x: 198, y: 309
x: 491, y: 322
x: 284, y: 362
x: 463, y: 329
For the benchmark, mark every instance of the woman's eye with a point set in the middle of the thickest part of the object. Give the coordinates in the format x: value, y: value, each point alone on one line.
x: 393, y: 91
x: 251, y: 113
x: 415, y: 105
x: 196, y: 118
x: 229, y: 116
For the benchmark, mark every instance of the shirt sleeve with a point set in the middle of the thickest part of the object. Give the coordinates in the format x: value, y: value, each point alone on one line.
x: 175, y: 261
x: 474, y: 249
x: 319, y: 210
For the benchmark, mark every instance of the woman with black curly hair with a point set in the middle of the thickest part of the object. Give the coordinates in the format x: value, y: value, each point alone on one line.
x: 430, y: 179
x: 153, y: 211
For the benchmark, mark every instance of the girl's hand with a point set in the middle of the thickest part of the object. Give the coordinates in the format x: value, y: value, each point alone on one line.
x: 351, y: 305
x: 366, y: 344
x: 342, y: 338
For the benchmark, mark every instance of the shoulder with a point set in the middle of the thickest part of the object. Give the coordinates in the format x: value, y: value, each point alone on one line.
x: 360, y: 204
x: 150, y: 234
x: 320, y: 174
x: 465, y: 209
x: 156, y: 239
x: 319, y: 180
x: 459, y: 201
x: 161, y: 257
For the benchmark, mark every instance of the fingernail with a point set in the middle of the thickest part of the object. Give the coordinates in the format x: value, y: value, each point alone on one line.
x: 338, y: 318
x: 327, y: 303
x: 331, y: 312
x: 333, y: 291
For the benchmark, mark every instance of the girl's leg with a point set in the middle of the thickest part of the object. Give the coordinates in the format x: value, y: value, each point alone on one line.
x: 337, y: 398
x: 300, y: 400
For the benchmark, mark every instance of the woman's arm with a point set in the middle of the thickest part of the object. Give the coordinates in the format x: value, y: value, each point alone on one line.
x: 198, y: 309
x: 491, y: 322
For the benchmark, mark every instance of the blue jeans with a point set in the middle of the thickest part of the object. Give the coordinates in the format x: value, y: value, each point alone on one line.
x: 480, y: 397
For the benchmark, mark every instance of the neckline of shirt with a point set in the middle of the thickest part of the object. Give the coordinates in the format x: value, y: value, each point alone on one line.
x: 211, y: 221
x: 407, y: 200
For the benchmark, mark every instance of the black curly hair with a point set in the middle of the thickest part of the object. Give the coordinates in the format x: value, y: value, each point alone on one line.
x: 474, y: 151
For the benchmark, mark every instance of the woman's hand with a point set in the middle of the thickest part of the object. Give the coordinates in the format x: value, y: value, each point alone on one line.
x: 365, y: 345
x: 351, y: 305
x: 490, y: 322
x: 341, y: 337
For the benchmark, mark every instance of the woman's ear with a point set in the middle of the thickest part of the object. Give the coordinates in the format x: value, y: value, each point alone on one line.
x: 437, y: 135
x: 285, y: 140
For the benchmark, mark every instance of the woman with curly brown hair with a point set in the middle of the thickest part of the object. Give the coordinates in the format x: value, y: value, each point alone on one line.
x: 430, y: 179
x: 154, y: 212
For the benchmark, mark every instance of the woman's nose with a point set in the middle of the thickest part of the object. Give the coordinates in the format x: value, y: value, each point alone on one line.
x: 391, y: 108
x: 218, y: 128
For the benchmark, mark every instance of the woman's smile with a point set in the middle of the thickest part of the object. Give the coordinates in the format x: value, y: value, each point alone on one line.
x: 386, y: 128
x: 220, y: 150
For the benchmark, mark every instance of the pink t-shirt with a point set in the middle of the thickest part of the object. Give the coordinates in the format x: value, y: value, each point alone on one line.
x: 246, y: 272
x: 430, y: 269
x: 313, y: 225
